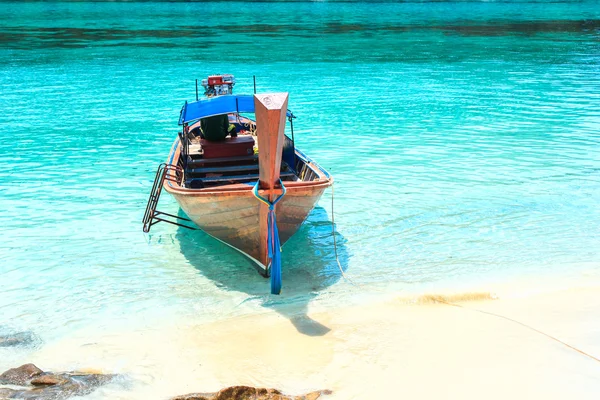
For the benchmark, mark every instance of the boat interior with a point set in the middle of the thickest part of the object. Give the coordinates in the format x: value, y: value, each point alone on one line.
x: 235, y: 160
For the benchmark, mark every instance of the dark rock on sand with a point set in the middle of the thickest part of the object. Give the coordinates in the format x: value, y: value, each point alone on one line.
x: 18, y: 339
x: 42, y: 385
x: 250, y: 393
x: 21, y: 375
x: 47, y: 380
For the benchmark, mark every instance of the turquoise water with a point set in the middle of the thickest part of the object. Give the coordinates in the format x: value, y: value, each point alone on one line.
x: 464, y: 139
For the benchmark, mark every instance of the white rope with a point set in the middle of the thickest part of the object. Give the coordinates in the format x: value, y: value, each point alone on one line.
x: 441, y: 300
x: 337, y: 259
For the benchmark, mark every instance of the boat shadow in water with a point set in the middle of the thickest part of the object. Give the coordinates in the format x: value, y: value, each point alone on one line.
x: 309, y: 267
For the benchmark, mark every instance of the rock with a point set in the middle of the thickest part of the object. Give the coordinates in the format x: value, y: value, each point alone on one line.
x: 196, y: 396
x: 89, y: 379
x: 47, y: 385
x: 70, y: 384
x: 48, y: 379
x: 17, y: 339
x: 250, y: 393
x: 316, y: 395
x: 247, y: 393
x: 20, y: 375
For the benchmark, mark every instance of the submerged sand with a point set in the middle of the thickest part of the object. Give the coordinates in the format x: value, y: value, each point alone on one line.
x: 409, y: 347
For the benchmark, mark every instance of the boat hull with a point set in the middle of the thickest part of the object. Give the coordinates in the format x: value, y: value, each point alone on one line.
x: 231, y: 213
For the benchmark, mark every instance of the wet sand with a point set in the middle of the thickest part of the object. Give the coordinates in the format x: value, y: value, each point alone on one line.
x: 407, y: 347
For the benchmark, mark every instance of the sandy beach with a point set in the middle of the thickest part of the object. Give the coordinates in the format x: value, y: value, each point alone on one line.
x: 406, y: 347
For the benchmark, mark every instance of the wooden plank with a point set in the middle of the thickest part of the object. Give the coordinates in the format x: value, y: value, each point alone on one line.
x: 229, y: 168
x: 270, y: 111
x: 233, y: 178
x: 236, y: 221
x: 193, y: 162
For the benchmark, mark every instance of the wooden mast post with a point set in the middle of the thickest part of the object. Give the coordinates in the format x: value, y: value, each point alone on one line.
x: 270, y: 111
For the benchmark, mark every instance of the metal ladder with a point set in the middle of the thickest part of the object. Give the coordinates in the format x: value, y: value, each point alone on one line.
x: 164, y: 172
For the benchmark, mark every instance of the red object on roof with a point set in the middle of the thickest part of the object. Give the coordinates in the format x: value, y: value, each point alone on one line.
x: 215, y: 80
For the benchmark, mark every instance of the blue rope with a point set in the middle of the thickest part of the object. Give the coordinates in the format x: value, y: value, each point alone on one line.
x: 273, y: 243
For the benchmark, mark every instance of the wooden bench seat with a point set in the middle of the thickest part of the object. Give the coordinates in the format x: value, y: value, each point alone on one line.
x: 192, y: 162
x: 232, y: 168
x: 197, y: 182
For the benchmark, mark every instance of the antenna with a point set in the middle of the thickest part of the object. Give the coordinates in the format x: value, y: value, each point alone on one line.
x: 254, y: 78
x: 196, y: 89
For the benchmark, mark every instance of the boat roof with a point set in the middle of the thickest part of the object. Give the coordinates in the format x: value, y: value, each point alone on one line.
x: 218, y: 105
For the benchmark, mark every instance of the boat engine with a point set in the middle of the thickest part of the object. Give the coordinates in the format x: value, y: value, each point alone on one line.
x: 218, y: 85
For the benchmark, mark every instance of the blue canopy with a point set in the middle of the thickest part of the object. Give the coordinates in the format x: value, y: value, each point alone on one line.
x: 218, y: 105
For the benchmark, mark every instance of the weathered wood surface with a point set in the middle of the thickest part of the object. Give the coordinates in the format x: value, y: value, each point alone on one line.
x: 235, y: 219
x: 270, y: 110
x: 231, y: 212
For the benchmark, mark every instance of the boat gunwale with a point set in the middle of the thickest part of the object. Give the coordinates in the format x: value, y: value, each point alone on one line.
x: 324, y: 180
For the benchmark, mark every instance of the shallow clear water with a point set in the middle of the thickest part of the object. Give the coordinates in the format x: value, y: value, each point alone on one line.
x: 463, y: 137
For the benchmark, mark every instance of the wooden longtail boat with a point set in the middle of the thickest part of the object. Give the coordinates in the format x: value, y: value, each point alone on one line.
x: 220, y: 185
